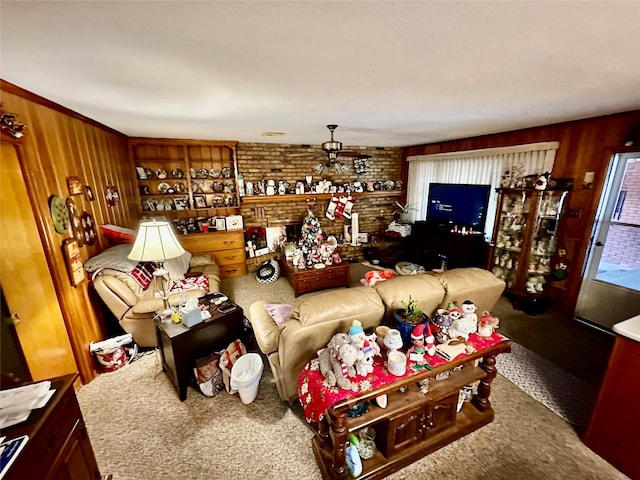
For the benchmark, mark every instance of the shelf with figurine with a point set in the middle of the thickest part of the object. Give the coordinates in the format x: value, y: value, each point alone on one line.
x: 524, y: 238
x: 176, y: 175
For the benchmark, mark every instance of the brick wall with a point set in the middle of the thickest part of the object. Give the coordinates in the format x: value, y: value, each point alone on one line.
x: 623, y: 243
x: 262, y: 161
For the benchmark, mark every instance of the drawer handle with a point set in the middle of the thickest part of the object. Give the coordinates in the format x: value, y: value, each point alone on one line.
x: 232, y: 271
x: 230, y: 257
x: 229, y: 242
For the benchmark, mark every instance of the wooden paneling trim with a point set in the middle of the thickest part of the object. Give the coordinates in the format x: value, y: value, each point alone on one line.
x: 35, y: 98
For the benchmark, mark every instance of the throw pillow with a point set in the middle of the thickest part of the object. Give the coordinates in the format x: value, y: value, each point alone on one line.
x: 279, y: 312
x: 118, y: 234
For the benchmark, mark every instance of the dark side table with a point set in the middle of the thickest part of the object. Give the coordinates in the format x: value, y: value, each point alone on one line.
x: 181, y: 346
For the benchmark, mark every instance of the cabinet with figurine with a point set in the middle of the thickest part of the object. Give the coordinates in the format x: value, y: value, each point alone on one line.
x: 524, y: 238
x: 192, y: 181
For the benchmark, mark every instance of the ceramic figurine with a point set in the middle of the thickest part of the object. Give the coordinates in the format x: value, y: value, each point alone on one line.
x: 417, y: 350
x: 393, y: 340
x: 487, y: 324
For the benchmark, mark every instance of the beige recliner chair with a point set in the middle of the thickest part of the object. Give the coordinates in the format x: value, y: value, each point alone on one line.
x: 135, y: 307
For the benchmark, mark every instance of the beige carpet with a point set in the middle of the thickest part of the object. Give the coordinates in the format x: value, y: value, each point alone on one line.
x: 141, y: 431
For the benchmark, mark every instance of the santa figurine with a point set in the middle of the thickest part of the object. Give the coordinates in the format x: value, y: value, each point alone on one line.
x: 430, y: 342
x: 417, y: 351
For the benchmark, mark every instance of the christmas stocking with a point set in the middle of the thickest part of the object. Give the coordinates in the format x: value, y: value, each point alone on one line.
x: 340, y: 207
x: 348, y: 206
x: 331, y: 208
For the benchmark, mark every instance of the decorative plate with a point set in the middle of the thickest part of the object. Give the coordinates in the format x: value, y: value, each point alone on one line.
x: 89, y: 228
x: 229, y: 187
x: 177, y: 173
x: 180, y: 187
x: 218, y: 187
x: 205, y: 187
x: 195, y: 187
x: 163, y: 187
x: 149, y: 173
x: 59, y: 213
x: 161, y: 174
x: 214, y: 173
x: 193, y: 173
x: 203, y: 173
x: 226, y: 172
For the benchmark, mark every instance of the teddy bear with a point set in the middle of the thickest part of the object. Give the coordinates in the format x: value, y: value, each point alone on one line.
x: 337, y: 361
x: 364, y: 364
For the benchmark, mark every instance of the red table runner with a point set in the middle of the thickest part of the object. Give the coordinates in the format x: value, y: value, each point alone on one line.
x: 317, y: 397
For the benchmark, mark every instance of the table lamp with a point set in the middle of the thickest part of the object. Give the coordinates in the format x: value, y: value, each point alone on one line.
x: 156, y: 242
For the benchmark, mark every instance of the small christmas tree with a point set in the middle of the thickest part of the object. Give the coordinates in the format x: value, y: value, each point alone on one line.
x: 311, y: 238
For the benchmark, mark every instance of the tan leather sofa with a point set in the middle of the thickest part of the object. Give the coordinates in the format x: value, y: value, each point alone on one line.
x: 316, y: 317
x: 135, y: 307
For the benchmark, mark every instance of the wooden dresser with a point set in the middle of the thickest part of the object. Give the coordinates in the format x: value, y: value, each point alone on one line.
x: 227, y: 249
x: 58, y: 446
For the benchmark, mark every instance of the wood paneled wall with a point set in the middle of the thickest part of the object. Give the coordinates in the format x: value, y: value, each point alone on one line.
x: 59, y: 143
x: 585, y: 146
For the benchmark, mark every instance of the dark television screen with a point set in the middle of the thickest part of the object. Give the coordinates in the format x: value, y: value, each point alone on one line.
x: 463, y: 205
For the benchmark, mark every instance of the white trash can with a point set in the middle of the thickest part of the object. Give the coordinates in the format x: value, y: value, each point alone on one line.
x: 245, y: 376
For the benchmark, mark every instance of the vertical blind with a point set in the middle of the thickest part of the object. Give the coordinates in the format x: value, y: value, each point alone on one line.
x: 480, y: 167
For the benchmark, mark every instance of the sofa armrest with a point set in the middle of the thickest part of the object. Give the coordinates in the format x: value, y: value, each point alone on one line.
x: 212, y: 272
x: 149, y: 305
x: 265, y: 328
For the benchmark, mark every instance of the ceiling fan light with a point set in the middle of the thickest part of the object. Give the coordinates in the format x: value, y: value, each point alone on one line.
x: 332, y: 147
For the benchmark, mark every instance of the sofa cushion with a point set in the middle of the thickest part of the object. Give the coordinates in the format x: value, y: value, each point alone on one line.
x: 424, y: 288
x: 349, y: 304
x: 480, y: 286
x: 121, y: 289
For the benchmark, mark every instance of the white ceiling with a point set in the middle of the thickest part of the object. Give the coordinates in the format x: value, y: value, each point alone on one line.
x: 389, y: 73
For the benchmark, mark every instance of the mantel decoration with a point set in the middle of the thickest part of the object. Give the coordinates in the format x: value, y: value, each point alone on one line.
x: 10, y: 125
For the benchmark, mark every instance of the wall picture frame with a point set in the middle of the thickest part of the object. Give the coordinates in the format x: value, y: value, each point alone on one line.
x: 73, y: 260
x: 199, y: 201
x: 75, y: 185
x: 88, y: 193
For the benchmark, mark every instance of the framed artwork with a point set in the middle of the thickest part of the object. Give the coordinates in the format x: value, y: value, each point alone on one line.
x: 181, y: 203
x: 199, y: 201
x: 88, y: 193
x: 363, y: 237
x: 111, y: 195
x: 75, y: 186
x: 142, y: 174
x: 73, y: 260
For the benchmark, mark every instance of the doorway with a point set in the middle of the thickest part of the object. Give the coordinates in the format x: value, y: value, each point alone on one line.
x: 610, y: 291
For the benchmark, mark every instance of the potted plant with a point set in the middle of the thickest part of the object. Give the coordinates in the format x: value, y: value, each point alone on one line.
x: 403, y: 212
x: 407, y: 317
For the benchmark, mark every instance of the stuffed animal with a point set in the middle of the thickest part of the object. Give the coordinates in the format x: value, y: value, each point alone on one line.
x: 337, y: 361
x: 462, y: 326
x: 364, y: 364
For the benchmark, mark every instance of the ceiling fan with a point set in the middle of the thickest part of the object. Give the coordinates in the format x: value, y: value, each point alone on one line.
x: 333, y: 149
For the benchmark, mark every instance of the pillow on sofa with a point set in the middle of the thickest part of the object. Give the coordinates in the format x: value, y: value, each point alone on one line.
x: 280, y: 312
x: 118, y: 234
x: 177, y: 267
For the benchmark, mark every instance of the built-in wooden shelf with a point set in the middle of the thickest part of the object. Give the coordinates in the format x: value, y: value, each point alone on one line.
x: 316, y: 196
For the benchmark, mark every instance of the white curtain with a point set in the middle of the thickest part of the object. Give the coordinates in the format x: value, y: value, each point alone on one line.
x: 480, y: 167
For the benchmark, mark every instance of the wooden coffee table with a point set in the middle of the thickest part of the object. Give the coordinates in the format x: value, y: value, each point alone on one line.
x: 312, y: 279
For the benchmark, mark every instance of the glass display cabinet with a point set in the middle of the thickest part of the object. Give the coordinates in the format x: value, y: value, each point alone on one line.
x: 524, y: 238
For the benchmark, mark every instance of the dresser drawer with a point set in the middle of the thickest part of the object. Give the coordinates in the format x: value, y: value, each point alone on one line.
x: 233, y: 270
x: 228, y: 257
x: 210, y: 242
